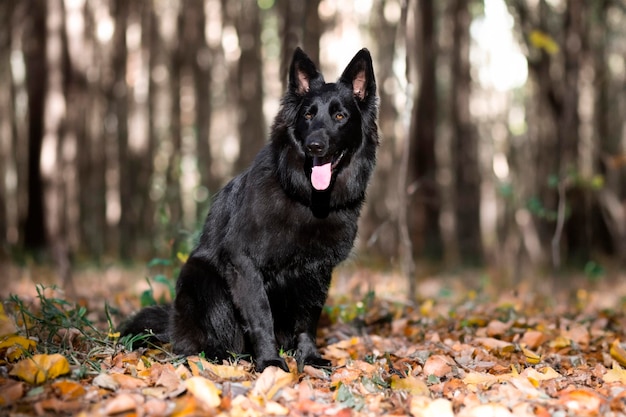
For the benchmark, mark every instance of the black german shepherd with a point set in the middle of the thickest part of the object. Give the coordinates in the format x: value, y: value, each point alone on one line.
x: 259, y: 277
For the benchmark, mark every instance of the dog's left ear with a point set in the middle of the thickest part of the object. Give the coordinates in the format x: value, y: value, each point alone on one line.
x: 359, y: 75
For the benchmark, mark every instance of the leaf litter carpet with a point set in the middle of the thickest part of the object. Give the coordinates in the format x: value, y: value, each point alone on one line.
x: 460, y: 350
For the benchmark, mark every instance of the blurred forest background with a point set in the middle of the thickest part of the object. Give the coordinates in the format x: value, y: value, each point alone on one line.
x: 503, y: 124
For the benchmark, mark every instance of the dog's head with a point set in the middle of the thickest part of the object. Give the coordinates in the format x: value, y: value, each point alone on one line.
x: 330, y: 121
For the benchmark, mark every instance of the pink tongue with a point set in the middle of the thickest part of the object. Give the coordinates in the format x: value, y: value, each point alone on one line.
x: 320, y: 177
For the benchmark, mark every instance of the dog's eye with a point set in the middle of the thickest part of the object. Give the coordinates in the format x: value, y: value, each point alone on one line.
x: 308, y: 116
x: 339, y: 116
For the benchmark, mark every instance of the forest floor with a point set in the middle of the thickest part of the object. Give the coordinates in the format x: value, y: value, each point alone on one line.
x: 467, y: 347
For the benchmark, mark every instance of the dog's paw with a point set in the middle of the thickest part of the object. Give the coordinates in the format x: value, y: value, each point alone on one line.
x: 261, y: 364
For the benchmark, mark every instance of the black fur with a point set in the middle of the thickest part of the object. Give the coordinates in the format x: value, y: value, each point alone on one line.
x: 259, y: 277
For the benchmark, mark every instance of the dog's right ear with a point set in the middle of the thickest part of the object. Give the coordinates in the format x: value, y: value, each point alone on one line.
x: 303, y: 74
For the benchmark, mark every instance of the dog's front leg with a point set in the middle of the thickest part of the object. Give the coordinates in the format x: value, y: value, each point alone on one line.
x: 250, y: 298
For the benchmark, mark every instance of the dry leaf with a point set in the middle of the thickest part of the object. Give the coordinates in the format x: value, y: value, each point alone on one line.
x: 271, y: 381
x: 106, y: 381
x: 40, y: 368
x: 531, y: 357
x: 582, y: 401
x: 617, y: 352
x: 16, y: 345
x: 121, y: 403
x: 10, y: 391
x: 204, y: 390
x: 422, y: 406
x: 128, y: 382
x: 411, y: 384
x: 616, y: 374
x: 486, y: 410
x: 533, y: 339
x: 438, y: 365
x: 69, y: 389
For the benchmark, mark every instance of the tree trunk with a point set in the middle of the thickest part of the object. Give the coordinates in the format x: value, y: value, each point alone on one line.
x: 34, y: 42
x: 300, y: 26
x: 251, y: 120
x: 465, y: 144
x: 425, y: 200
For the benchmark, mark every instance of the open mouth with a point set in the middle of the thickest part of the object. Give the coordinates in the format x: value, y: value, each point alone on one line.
x: 322, y: 171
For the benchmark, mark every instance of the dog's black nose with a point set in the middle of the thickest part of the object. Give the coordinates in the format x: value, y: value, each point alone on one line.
x: 316, y: 148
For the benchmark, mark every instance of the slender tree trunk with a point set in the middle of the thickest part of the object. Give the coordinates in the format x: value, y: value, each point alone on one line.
x: 34, y: 42
x: 251, y: 120
x: 465, y: 144
x: 121, y: 109
x: 425, y: 201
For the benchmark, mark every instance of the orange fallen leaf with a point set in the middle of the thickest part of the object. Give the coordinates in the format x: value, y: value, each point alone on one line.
x: 69, y: 389
x: 533, y: 339
x: 128, y: 382
x: 204, y: 390
x: 582, y: 401
x: 438, y: 365
x: 40, y: 368
x: 10, y: 391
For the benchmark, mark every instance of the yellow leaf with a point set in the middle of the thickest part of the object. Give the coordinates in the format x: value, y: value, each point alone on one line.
x: 40, y: 368
x: 542, y: 40
x: 427, y: 307
x: 6, y: 324
x: 16, y: 345
x: 411, y: 384
x: 617, y: 352
x: 204, y: 391
x: 616, y: 374
x: 182, y: 257
x: 531, y: 357
x: 560, y: 342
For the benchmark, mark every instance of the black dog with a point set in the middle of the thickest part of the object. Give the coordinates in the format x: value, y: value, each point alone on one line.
x: 259, y: 277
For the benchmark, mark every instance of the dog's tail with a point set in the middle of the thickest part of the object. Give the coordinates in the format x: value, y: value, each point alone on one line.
x: 153, y: 320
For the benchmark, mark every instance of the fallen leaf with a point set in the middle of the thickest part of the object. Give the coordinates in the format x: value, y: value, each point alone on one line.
x: 105, y: 381
x: 422, y: 406
x: 582, y: 401
x: 438, y: 365
x: 411, y: 384
x: 10, y: 391
x: 533, y: 339
x: 69, y: 389
x: 617, y: 352
x: 531, y: 357
x: 122, y: 403
x: 204, y: 390
x: 495, y: 344
x: 616, y: 374
x: 16, y: 345
x: 271, y: 381
x: 40, y: 368
x: 486, y: 410
x: 128, y: 382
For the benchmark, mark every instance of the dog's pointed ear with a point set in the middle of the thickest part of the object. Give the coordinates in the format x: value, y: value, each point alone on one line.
x: 359, y: 75
x: 303, y: 74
